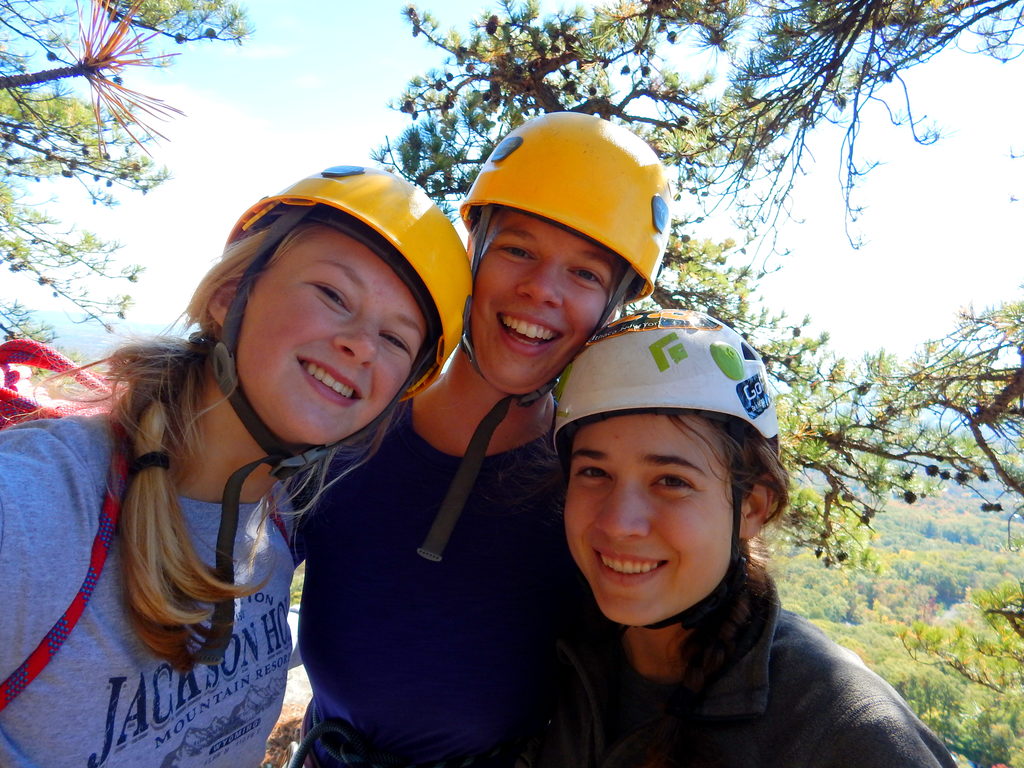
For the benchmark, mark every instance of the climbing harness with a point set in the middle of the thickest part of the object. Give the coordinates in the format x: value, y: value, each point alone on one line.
x: 344, y: 742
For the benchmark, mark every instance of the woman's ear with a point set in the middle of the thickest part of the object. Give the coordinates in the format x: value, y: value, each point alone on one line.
x: 756, y: 510
x: 221, y: 301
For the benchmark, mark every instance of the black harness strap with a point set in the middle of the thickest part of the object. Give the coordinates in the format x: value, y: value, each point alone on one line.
x: 347, y: 745
x: 465, y: 477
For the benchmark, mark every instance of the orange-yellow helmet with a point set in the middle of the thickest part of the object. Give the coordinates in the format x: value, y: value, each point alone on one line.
x: 409, y: 221
x: 590, y: 175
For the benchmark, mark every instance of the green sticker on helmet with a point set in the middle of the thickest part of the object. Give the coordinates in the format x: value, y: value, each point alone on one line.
x: 668, y: 346
x: 728, y: 360
x: 562, y: 381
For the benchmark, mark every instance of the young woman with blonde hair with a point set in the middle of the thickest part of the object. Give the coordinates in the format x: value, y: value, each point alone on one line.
x: 158, y: 525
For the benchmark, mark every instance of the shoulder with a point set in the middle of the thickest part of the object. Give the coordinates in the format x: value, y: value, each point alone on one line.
x: 800, y: 651
x: 52, y: 464
x: 52, y: 484
x: 60, y: 449
x: 860, y: 711
x: 73, y: 439
x: 796, y: 635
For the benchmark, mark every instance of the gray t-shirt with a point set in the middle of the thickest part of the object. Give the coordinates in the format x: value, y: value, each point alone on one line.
x: 104, y: 700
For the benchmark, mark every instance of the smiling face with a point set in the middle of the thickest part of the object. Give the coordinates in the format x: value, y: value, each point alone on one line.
x: 648, y: 513
x: 329, y: 337
x: 539, y: 294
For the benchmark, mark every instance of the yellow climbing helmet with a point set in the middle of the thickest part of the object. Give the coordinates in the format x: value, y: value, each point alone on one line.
x: 588, y: 174
x: 408, y: 220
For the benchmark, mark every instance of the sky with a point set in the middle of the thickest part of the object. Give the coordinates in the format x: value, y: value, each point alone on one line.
x: 942, y: 227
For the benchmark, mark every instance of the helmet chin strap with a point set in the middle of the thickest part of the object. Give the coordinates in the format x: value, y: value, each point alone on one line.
x: 454, y: 502
x: 226, y: 375
x: 480, y: 246
x: 735, y: 578
x: 283, y: 459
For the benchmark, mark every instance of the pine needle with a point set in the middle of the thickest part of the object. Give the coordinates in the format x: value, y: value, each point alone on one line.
x: 108, y: 47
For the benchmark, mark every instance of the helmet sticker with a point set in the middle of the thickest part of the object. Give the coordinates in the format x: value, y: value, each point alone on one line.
x: 662, y: 318
x: 562, y: 381
x: 728, y: 360
x: 659, y: 349
x: 754, y: 395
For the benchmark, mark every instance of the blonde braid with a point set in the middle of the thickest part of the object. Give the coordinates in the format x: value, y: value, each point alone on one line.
x: 157, y: 399
x: 168, y: 588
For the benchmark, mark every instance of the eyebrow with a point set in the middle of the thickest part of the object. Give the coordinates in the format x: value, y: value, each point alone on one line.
x: 414, y: 322
x: 654, y: 459
x: 595, y: 252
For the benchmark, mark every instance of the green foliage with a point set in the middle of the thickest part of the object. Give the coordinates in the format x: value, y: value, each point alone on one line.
x: 298, y: 579
x: 48, y: 133
x: 727, y: 92
x: 987, y: 647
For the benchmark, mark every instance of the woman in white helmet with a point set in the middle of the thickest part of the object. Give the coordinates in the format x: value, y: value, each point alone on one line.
x: 668, y: 434
x: 146, y: 575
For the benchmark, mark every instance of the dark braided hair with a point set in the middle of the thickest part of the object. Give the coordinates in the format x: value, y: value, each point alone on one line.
x: 712, y: 647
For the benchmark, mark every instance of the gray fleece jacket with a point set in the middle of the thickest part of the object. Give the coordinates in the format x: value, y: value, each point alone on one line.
x: 794, y: 700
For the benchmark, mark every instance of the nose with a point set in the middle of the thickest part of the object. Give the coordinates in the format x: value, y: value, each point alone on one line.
x: 359, y: 342
x: 623, y: 513
x: 542, y: 283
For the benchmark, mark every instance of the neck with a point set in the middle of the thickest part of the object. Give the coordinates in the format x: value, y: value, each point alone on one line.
x: 224, y: 446
x: 447, y: 414
x: 656, y: 653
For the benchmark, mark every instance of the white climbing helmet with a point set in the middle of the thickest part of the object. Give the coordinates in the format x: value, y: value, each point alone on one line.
x: 662, y: 361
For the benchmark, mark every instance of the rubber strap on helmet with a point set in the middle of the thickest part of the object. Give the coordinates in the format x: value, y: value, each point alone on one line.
x: 277, y: 231
x: 212, y: 650
x: 223, y: 358
x: 480, y: 246
x: 734, y: 580
x: 469, y: 468
x: 461, y: 485
x: 282, y: 461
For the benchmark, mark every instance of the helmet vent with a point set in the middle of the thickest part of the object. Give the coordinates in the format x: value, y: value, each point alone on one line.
x: 748, y: 352
x: 339, y: 171
x: 659, y: 213
x: 506, y: 148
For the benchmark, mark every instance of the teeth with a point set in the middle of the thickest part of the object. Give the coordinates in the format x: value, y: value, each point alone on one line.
x: 323, y: 376
x: 628, y: 566
x: 529, y: 330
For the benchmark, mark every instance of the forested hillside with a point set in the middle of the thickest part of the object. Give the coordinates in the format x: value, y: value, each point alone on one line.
x: 924, y: 561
